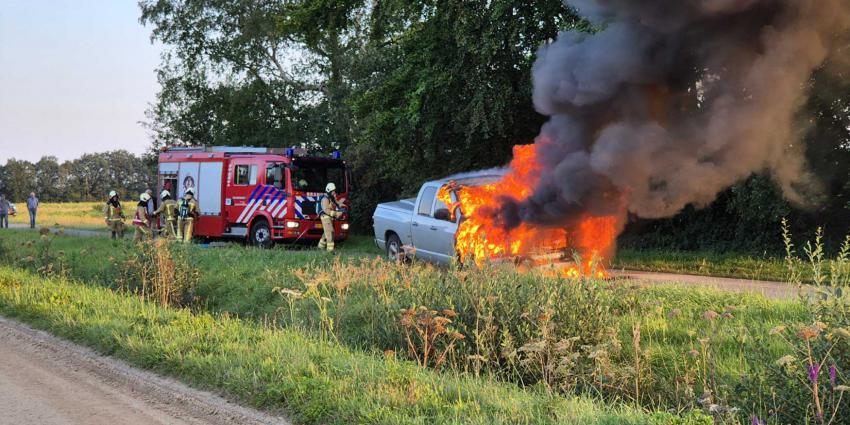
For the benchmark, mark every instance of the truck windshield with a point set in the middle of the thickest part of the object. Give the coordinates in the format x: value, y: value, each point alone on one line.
x: 313, y: 177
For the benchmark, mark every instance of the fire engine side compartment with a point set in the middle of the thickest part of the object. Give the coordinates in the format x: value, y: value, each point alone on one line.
x: 203, y: 174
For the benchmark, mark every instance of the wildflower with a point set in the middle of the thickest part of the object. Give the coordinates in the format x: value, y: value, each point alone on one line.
x: 755, y: 420
x: 833, y: 374
x: 710, y: 315
x: 693, y: 353
x: 842, y: 332
x: 727, y: 315
x: 808, y: 332
x: 814, y: 373
x: 777, y: 330
x: 786, y: 360
x: 675, y: 312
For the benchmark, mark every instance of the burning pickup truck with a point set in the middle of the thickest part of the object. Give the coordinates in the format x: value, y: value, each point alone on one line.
x: 449, y: 220
x: 424, y: 226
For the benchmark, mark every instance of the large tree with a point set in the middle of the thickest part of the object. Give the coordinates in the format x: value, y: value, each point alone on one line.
x: 409, y: 89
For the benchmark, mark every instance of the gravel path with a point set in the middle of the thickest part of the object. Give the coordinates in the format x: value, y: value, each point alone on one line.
x: 48, y: 381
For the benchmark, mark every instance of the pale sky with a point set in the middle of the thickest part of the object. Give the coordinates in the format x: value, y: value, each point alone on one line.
x: 75, y: 77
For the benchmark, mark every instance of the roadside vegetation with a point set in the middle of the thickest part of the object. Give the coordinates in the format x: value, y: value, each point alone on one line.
x: 730, y: 356
x: 313, y: 381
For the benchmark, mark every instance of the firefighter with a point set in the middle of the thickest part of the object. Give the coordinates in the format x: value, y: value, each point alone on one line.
x: 187, y: 212
x: 114, y: 215
x: 329, y: 210
x: 142, y: 220
x: 167, y: 211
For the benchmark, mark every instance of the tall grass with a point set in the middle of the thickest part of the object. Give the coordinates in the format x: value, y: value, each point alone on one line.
x: 673, y: 349
x: 277, y: 369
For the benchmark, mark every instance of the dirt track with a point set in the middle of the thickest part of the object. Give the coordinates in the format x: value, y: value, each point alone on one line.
x: 48, y: 381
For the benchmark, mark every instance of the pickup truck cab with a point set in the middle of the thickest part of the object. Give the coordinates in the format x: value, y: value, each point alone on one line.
x: 424, y: 224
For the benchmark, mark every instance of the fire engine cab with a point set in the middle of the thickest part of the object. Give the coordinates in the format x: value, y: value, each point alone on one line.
x: 262, y: 195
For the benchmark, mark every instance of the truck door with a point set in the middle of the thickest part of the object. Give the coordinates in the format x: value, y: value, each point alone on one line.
x: 432, y: 229
x: 238, y: 201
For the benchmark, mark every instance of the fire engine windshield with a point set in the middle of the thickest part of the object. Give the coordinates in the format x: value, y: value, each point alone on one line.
x: 314, y: 176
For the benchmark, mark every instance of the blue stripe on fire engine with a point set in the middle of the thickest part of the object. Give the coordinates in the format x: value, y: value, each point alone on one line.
x: 274, y: 200
x: 249, y: 210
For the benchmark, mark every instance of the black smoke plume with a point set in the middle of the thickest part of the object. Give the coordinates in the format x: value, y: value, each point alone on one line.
x: 670, y: 102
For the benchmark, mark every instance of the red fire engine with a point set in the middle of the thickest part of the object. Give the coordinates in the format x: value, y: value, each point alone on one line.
x: 262, y: 195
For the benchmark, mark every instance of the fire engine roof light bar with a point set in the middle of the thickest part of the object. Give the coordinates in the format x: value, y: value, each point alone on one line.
x: 336, y: 154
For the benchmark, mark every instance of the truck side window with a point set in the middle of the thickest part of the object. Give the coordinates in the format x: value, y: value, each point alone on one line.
x: 426, y: 200
x: 253, y: 177
x: 274, y: 175
x: 240, y: 174
x: 441, y: 211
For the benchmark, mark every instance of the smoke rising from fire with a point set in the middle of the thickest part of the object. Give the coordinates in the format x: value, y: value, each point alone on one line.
x: 671, y: 102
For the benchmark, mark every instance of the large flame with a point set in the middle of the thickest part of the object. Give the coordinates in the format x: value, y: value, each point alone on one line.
x: 481, y: 237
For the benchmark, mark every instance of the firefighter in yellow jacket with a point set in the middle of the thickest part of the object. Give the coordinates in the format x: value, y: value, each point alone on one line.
x: 187, y: 212
x: 114, y: 215
x: 142, y: 220
x: 167, y: 212
x: 329, y: 211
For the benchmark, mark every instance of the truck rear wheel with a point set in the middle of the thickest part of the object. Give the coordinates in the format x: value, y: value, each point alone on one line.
x: 395, y: 252
x: 261, y: 234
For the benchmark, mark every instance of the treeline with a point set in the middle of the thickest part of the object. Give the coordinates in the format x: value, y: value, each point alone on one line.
x: 88, y: 178
x: 413, y: 90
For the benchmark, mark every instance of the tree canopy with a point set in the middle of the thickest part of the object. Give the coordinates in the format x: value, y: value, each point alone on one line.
x: 413, y: 90
x: 87, y: 178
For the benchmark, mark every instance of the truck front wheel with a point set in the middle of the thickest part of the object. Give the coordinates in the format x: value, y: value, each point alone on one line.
x: 261, y: 235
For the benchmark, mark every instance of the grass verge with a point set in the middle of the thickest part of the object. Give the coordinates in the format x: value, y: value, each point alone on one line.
x: 313, y: 381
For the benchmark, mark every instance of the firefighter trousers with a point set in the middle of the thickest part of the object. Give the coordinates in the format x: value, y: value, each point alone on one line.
x: 185, y: 226
x: 142, y: 232
x: 169, y: 231
x: 327, y: 240
x: 116, y: 226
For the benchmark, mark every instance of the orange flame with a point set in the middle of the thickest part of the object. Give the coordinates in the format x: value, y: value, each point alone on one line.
x: 481, y: 238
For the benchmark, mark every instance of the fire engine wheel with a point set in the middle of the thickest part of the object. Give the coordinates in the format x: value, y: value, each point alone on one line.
x: 395, y: 252
x: 261, y: 234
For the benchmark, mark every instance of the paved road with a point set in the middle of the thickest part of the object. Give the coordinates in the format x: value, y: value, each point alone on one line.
x: 48, y: 381
x: 69, y: 231
x: 775, y: 290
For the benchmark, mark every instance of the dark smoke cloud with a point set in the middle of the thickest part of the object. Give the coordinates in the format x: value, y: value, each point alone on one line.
x: 673, y: 101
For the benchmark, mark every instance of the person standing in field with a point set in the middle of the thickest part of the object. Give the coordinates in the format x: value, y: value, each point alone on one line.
x: 329, y: 210
x: 114, y: 215
x: 32, y: 207
x: 142, y: 220
x: 188, y: 211
x: 5, y: 209
x: 167, y: 212
x: 151, y: 209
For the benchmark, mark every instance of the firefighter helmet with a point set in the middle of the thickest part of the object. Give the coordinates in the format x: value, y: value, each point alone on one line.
x: 112, y: 194
x: 165, y: 194
x: 144, y: 197
x: 330, y: 187
x: 190, y: 191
